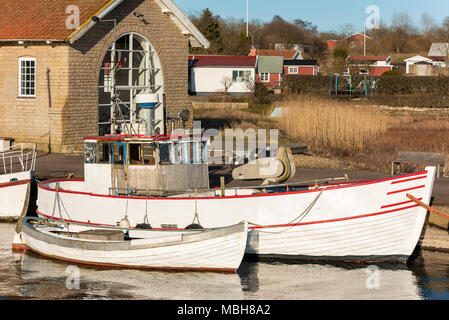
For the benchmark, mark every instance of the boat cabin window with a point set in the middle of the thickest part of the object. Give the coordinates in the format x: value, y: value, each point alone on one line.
x: 188, y: 152
x: 103, y: 152
x: 145, y: 153
x: 164, y: 153
x: 90, y: 152
x: 118, y: 154
x: 142, y: 153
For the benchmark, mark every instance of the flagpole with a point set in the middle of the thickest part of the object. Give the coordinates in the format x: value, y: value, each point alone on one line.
x: 364, y: 40
x: 247, y: 15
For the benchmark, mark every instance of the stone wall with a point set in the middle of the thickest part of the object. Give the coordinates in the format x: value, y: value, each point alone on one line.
x: 87, y: 54
x: 32, y: 119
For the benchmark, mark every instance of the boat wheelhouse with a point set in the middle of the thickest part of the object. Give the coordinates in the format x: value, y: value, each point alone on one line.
x: 145, y: 165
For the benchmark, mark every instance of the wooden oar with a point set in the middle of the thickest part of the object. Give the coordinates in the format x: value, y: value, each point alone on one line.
x: 429, y: 208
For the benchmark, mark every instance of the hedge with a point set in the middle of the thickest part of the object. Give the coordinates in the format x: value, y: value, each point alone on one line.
x: 398, y: 90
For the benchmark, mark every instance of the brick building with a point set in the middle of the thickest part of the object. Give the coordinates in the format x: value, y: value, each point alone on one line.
x: 65, y: 61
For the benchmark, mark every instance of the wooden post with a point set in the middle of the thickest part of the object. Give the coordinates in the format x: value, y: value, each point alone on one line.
x: 222, y: 186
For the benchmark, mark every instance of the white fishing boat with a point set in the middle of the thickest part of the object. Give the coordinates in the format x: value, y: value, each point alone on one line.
x: 327, y: 220
x: 16, y: 173
x: 219, y: 249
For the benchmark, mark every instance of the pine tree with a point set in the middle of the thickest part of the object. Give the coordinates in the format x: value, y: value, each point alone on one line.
x: 210, y: 28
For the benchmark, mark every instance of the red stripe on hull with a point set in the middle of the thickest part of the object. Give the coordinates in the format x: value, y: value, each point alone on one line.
x: 269, y: 226
x: 14, y: 183
x: 404, y: 190
x: 337, y: 186
x: 411, y: 179
x: 334, y: 220
x: 397, y: 204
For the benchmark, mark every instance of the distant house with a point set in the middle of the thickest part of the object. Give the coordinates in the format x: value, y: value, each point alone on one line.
x: 425, y: 65
x: 301, y: 67
x: 369, y: 65
x: 269, y: 70
x: 439, y: 50
x: 293, y: 54
x: 332, y: 44
x: 356, y: 41
x: 208, y: 74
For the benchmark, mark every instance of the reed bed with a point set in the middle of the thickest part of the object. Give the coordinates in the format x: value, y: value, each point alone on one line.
x: 364, y: 135
x: 351, y: 133
x: 332, y: 124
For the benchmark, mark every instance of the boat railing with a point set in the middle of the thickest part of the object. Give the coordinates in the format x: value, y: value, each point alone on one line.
x: 226, y: 191
x: 17, y: 159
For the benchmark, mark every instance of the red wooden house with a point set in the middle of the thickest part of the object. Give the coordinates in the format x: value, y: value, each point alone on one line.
x: 301, y: 67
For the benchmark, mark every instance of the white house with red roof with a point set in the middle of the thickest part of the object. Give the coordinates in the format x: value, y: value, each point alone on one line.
x: 209, y: 74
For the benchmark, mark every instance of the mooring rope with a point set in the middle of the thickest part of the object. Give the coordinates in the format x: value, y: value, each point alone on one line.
x: 300, y: 217
x: 196, y: 216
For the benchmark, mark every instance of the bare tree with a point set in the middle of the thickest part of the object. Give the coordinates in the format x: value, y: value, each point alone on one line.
x: 428, y: 23
x: 227, y: 83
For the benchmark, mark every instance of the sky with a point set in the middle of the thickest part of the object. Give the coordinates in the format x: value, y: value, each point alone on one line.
x: 327, y: 15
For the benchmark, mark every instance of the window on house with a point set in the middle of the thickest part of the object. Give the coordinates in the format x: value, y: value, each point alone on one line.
x: 293, y: 70
x: 363, y: 71
x: 27, y: 77
x: 241, y: 75
x: 264, y: 77
x: 353, y: 44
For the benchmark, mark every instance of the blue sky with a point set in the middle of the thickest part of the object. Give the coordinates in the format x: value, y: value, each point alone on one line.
x: 328, y: 15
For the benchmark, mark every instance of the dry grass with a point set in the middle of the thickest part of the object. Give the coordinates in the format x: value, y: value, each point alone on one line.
x: 363, y: 135
x: 332, y: 124
x: 343, y: 132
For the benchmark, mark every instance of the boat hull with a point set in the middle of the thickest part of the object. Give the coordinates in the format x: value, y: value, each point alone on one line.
x: 218, y: 250
x: 14, y: 194
x: 358, y: 221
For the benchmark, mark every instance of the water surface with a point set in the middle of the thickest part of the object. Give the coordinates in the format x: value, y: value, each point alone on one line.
x: 31, y: 277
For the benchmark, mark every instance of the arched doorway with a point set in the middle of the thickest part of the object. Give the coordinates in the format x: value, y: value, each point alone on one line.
x: 131, y: 66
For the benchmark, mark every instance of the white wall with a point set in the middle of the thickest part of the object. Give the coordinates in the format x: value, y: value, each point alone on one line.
x: 208, y: 80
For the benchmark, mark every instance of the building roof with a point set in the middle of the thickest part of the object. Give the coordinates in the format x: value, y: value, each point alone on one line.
x: 427, y: 58
x: 222, y: 61
x: 286, y: 54
x: 267, y: 64
x: 439, y: 49
x: 45, y: 20
x: 300, y: 62
x: 436, y: 58
x: 359, y: 35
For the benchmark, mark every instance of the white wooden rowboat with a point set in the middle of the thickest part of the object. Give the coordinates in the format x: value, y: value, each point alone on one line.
x: 220, y: 249
x: 16, y: 173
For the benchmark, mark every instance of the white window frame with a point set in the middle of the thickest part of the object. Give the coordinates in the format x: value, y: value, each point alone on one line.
x: 24, y: 95
x: 242, y: 78
x: 293, y: 70
x: 264, y: 77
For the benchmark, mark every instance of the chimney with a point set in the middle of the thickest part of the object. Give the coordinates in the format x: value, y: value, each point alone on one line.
x: 253, y: 52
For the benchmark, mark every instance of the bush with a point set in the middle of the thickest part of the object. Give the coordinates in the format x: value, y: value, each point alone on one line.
x: 261, y: 94
x: 392, y: 73
x: 340, y: 53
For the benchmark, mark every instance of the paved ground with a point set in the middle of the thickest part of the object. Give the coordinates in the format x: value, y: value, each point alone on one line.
x: 49, y: 166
